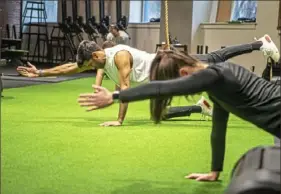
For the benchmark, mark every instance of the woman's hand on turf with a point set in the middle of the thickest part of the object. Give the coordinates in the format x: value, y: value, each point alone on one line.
x: 212, y: 176
x: 111, y: 123
x: 100, y: 99
x: 30, y: 71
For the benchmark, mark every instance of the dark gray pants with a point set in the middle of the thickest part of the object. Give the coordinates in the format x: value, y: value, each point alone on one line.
x: 224, y: 54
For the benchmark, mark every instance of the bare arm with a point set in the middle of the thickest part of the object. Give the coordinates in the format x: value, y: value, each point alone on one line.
x: 69, y: 68
x: 123, y: 63
x: 99, y: 77
x: 65, y: 69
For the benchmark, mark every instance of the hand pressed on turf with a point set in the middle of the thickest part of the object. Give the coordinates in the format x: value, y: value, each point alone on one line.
x: 30, y: 71
x: 111, y: 123
x: 100, y: 99
x: 212, y: 176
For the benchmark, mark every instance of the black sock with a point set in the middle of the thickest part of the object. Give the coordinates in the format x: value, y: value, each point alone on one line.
x: 257, y: 45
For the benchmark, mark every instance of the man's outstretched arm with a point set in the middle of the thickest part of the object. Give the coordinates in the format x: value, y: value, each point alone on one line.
x: 65, y: 69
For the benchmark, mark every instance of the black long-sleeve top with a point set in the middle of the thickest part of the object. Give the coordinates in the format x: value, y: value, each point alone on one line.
x: 233, y: 89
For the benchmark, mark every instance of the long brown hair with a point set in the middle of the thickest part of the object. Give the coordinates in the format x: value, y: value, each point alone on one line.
x: 165, y: 66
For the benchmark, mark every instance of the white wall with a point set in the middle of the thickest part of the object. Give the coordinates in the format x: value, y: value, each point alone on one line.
x: 217, y: 35
x: 180, y: 21
x: 186, y: 27
x: 185, y: 18
x: 201, y: 13
x: 144, y: 36
x: 267, y: 20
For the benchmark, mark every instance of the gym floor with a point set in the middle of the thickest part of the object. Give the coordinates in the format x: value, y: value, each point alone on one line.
x: 50, y: 145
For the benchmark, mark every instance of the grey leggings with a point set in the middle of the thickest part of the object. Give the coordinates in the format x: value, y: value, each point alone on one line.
x: 224, y: 54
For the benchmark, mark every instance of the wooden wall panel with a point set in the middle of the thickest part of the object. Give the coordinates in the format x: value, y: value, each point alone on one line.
x: 279, y: 16
x: 224, y: 11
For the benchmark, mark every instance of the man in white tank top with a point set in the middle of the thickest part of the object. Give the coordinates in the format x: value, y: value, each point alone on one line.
x: 124, y: 65
x: 121, y: 63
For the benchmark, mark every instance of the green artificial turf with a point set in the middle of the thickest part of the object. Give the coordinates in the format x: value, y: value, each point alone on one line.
x: 50, y: 145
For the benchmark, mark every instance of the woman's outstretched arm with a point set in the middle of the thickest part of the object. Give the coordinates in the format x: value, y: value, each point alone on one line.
x: 195, y: 83
x: 188, y: 85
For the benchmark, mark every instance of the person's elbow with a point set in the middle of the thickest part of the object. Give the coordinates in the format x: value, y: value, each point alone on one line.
x: 124, y: 86
x: 100, y: 73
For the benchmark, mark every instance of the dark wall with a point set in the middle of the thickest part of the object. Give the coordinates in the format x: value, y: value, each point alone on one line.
x: 9, y: 14
x: 2, y: 19
x: 13, y: 13
x: 180, y: 21
x: 2, y: 13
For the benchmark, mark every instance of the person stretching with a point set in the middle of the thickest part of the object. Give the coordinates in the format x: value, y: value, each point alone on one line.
x: 124, y: 64
x: 232, y: 88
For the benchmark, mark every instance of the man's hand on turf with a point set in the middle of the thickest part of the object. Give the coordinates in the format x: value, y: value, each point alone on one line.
x: 100, y: 99
x: 30, y: 71
x: 212, y: 176
x: 111, y: 123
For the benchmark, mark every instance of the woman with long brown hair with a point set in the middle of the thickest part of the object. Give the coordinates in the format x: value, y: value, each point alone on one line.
x: 232, y: 88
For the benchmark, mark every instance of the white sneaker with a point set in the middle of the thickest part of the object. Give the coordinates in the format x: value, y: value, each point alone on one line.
x: 206, y: 107
x: 268, y: 48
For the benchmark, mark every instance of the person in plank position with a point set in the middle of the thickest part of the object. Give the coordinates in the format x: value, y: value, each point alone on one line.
x: 232, y: 88
x: 124, y: 64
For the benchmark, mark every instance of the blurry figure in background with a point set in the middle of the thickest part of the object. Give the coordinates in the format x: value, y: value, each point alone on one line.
x: 117, y: 36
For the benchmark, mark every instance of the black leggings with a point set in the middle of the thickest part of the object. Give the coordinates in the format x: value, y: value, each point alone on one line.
x: 221, y: 55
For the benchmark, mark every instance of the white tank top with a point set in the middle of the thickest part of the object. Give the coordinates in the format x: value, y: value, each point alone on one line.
x: 141, y: 64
